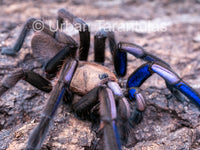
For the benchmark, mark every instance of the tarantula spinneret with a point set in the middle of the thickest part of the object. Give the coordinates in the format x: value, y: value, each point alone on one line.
x: 97, y: 85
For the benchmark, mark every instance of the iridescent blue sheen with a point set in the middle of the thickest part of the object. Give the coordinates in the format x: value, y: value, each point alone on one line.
x: 117, y: 137
x: 58, y: 101
x: 131, y: 94
x: 149, y: 58
x: 121, y: 58
x: 189, y: 92
x: 139, y: 76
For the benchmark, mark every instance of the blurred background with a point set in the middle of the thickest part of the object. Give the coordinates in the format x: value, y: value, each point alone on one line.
x: 169, y: 29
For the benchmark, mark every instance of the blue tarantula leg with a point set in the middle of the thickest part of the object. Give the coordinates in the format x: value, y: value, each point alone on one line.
x: 120, y: 62
x: 136, y: 115
x: 123, y: 111
x: 83, y: 28
x: 54, y: 64
x: 138, y: 77
x: 37, y: 137
x: 29, y: 76
x: 139, y: 52
x: 123, y: 104
x: 120, y: 58
x: 108, y: 114
x: 135, y: 80
x: 27, y: 27
x: 174, y: 80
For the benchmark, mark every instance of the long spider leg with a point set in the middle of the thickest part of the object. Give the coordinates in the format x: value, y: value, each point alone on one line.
x: 123, y: 104
x: 37, y: 137
x: 120, y: 58
x: 139, y: 52
x: 83, y: 28
x: 123, y: 110
x: 25, y: 30
x: 54, y: 64
x: 108, y: 114
x: 120, y: 62
x: 173, y: 80
x: 29, y: 76
x: 99, y: 44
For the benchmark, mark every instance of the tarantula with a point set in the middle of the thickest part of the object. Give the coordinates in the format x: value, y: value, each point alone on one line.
x: 97, y: 85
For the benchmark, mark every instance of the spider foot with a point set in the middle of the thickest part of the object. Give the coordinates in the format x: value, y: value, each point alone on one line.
x: 8, y: 51
x: 176, y: 93
x: 124, y: 130
x: 136, y: 115
x: 135, y: 118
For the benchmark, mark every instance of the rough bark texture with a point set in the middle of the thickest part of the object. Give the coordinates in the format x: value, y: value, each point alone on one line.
x: 168, y: 124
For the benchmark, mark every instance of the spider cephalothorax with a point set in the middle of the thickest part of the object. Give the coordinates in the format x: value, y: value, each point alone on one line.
x: 97, y: 85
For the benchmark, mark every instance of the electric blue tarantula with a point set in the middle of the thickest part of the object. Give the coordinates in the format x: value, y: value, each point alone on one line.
x: 97, y: 85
